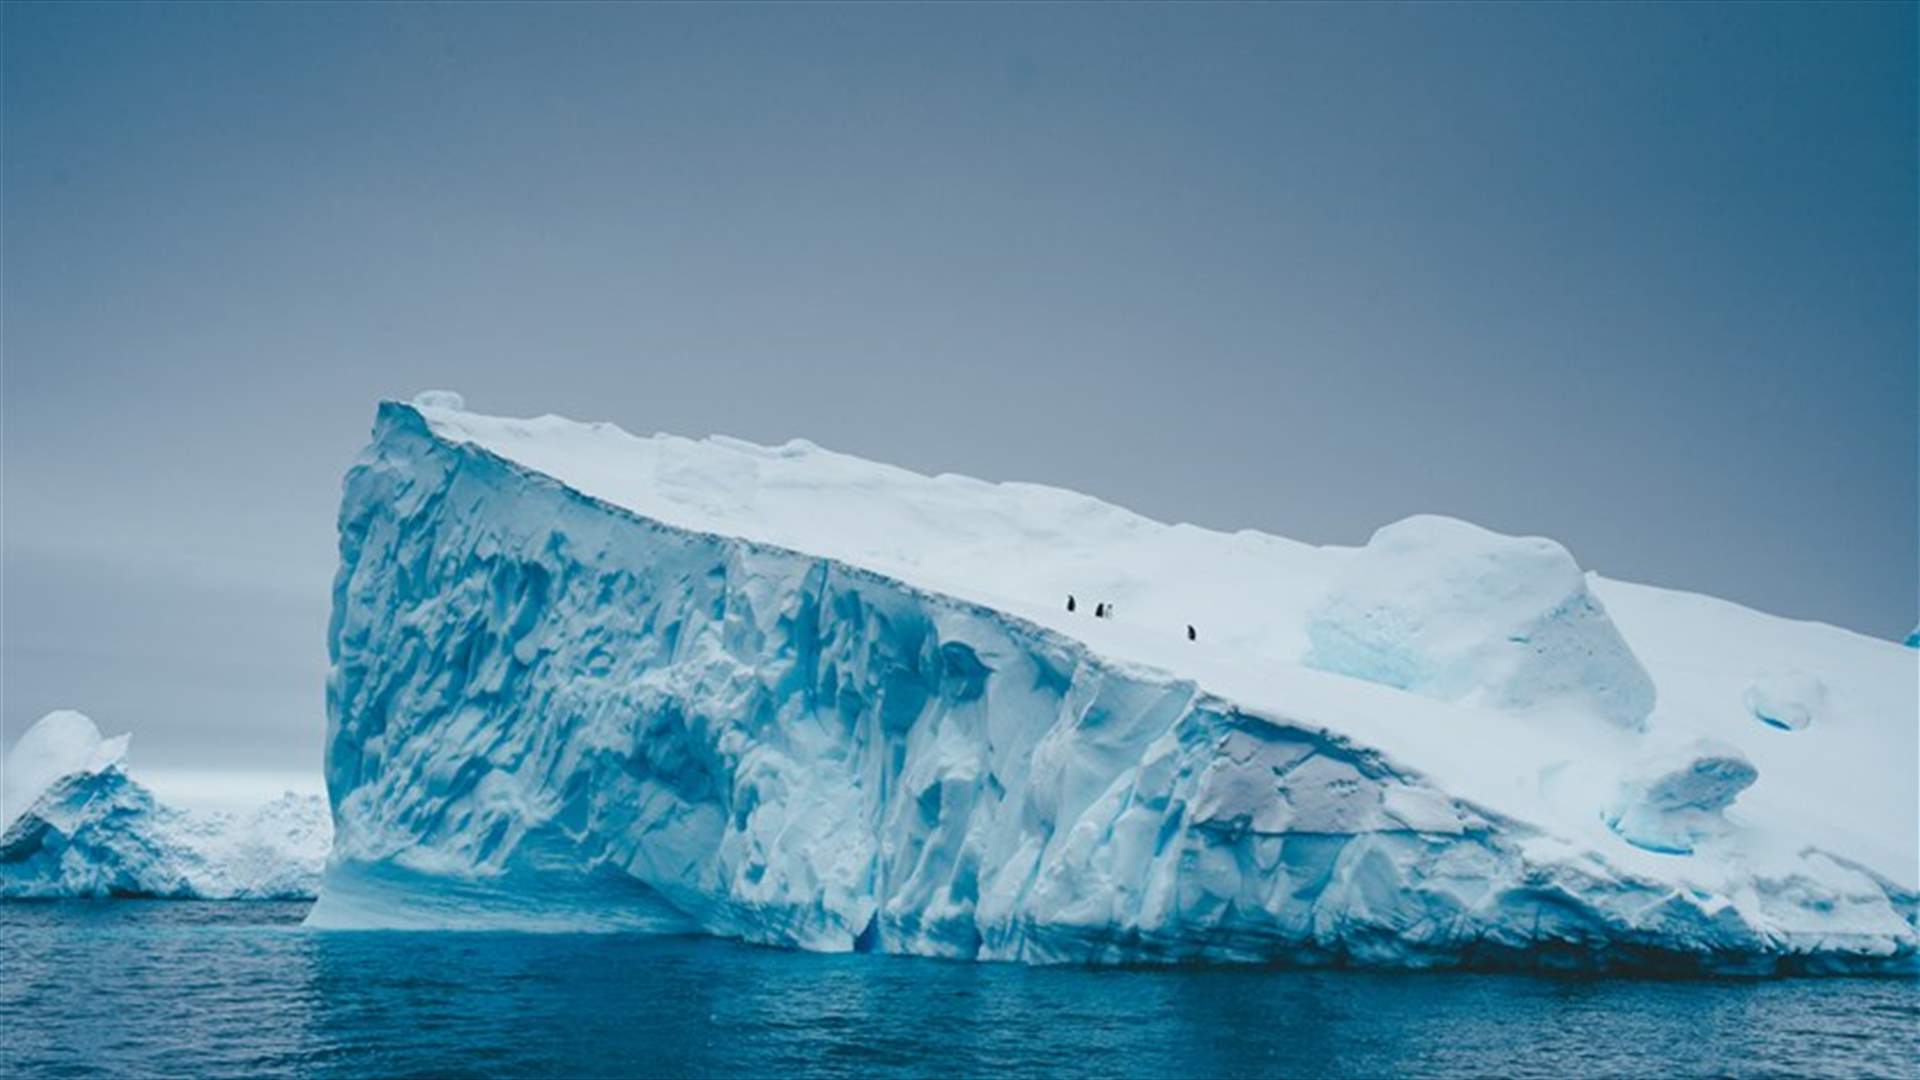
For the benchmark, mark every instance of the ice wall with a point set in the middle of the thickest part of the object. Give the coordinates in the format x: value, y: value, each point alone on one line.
x: 546, y: 711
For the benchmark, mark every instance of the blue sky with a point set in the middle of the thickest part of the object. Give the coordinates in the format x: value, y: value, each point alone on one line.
x: 1638, y: 277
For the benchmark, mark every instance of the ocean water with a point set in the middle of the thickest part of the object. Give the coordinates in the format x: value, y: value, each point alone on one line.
x: 188, y: 989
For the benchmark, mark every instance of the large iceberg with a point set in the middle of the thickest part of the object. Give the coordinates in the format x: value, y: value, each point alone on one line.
x: 74, y: 824
x: 586, y: 680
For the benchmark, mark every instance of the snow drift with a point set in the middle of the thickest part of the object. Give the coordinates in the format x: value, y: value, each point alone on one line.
x: 1452, y: 611
x: 76, y: 825
x: 587, y: 680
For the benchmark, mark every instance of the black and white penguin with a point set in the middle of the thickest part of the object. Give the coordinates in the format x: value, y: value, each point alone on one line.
x: 1069, y: 601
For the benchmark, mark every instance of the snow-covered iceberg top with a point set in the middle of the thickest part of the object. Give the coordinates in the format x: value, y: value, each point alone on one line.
x: 58, y: 745
x: 750, y: 681
x: 77, y: 825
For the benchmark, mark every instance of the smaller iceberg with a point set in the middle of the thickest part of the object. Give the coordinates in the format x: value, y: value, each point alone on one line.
x: 74, y: 824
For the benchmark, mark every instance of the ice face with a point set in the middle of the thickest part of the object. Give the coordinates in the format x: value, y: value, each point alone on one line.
x: 87, y: 829
x: 549, y: 711
x: 1452, y: 611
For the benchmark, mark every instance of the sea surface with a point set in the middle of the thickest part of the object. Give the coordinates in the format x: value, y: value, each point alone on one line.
x: 240, y: 989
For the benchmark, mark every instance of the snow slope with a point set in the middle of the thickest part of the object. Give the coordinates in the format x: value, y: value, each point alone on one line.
x: 587, y: 679
x: 76, y: 825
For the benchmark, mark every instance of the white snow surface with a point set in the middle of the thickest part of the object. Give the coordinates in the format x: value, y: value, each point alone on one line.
x: 800, y: 697
x: 59, y: 744
x: 1787, y: 698
x: 85, y: 828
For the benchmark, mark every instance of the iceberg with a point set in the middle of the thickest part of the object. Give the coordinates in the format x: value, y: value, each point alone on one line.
x: 587, y: 680
x: 76, y: 825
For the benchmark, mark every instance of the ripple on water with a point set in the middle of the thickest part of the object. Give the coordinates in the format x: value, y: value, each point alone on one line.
x: 239, y: 989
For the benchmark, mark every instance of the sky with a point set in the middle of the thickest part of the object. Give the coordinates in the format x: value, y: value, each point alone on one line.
x: 1641, y: 278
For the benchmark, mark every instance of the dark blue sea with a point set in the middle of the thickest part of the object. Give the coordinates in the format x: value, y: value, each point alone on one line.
x: 239, y: 989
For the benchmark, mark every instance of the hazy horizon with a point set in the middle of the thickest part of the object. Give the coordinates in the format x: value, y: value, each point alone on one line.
x: 1639, y: 278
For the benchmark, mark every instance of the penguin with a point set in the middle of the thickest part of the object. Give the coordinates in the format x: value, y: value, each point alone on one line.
x: 1099, y: 611
x: 1069, y: 601
x: 1191, y: 636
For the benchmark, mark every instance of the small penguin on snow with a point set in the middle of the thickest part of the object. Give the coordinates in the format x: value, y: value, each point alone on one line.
x: 1191, y: 636
x: 1069, y: 601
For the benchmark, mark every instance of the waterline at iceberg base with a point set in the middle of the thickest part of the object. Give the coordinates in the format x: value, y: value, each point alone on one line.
x: 587, y: 681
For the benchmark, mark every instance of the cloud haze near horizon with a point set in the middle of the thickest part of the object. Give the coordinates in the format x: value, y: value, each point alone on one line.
x: 1640, y: 278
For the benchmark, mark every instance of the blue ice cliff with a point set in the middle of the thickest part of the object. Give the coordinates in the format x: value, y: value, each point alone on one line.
x: 586, y: 680
x: 74, y: 824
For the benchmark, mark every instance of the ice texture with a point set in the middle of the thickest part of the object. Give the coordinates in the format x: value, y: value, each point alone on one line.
x: 87, y: 829
x: 1674, y: 801
x: 582, y: 680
